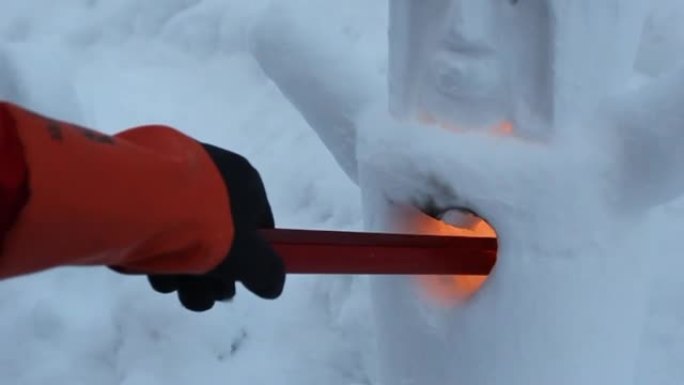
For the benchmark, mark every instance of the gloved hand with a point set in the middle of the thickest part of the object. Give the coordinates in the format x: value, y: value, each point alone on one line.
x: 251, y: 259
x: 148, y: 200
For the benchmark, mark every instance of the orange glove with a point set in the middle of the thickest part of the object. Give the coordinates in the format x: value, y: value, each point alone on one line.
x: 251, y: 260
x: 148, y: 200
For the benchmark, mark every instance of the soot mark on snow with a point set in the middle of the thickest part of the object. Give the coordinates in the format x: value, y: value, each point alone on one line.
x: 438, y: 198
x: 237, y: 342
x: 235, y: 346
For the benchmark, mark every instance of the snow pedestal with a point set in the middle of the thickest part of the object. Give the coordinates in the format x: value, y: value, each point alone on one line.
x: 508, y: 341
x: 565, y: 302
x: 539, y: 319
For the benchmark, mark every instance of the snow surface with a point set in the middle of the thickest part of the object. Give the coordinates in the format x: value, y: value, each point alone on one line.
x: 200, y: 65
x: 566, y: 303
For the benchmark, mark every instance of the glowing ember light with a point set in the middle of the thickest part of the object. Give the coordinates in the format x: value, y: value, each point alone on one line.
x: 503, y: 128
x: 451, y: 290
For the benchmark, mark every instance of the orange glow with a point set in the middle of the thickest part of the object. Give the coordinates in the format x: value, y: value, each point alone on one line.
x: 503, y: 128
x: 451, y: 290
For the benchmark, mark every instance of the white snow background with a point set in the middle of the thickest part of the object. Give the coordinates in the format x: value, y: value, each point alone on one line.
x: 118, y: 63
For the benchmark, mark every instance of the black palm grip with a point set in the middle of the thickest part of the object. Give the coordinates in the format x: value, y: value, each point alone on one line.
x: 251, y: 259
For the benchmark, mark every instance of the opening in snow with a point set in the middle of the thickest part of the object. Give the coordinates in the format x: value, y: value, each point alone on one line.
x: 450, y: 290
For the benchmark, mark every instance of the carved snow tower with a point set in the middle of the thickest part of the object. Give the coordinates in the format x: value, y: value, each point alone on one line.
x: 565, y: 185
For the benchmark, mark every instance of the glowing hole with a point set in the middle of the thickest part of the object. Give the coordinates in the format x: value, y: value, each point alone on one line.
x: 449, y: 290
x: 455, y: 289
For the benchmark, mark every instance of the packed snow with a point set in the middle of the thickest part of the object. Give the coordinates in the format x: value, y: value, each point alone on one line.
x: 224, y: 71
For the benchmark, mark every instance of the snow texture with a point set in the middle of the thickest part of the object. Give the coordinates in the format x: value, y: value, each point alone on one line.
x: 587, y: 289
x: 568, y: 194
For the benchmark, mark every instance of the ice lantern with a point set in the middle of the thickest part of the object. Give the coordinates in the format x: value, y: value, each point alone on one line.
x: 495, y: 65
x: 553, y: 311
x: 543, y: 66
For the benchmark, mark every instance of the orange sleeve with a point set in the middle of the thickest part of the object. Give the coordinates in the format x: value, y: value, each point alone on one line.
x: 149, y: 200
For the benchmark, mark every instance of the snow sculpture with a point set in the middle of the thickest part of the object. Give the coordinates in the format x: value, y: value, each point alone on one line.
x: 566, y: 192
